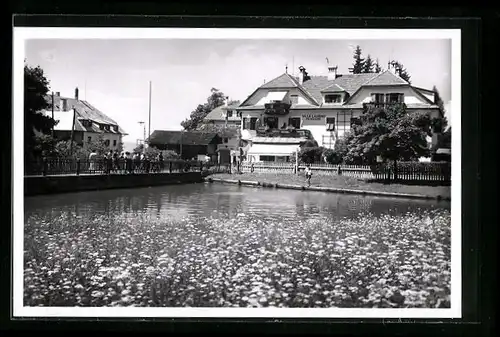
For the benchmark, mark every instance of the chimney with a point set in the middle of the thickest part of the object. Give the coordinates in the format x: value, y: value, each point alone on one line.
x: 302, y: 74
x: 76, y: 93
x: 58, y: 93
x: 64, y: 104
x: 332, y: 73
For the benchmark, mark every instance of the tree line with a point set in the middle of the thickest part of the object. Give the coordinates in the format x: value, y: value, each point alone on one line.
x: 363, y: 65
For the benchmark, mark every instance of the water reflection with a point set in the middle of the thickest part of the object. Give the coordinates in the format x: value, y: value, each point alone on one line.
x: 217, y: 200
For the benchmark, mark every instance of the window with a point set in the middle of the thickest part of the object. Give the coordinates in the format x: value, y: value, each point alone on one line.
x: 101, y: 126
x: 394, y: 98
x: 114, y: 142
x: 226, y: 140
x: 378, y: 98
x: 245, y: 123
x: 271, y: 122
x: 115, y: 128
x: 294, y: 121
x: 253, y: 121
x: 106, y: 142
x: 89, y: 139
x: 267, y: 158
x: 330, y: 123
x: 333, y: 98
x: 294, y: 99
x: 238, y: 114
x: 355, y: 121
x: 107, y: 127
x: 229, y: 113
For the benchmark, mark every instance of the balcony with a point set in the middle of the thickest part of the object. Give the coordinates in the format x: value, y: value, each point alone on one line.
x: 277, y: 108
x: 290, y: 133
x: 382, y: 104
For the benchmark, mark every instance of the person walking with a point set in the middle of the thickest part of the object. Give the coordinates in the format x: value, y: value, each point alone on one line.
x: 308, y: 174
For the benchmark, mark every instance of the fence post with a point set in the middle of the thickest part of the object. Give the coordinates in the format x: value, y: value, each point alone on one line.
x: 77, y: 166
x: 339, y: 170
x: 44, y: 168
x: 395, y: 171
x: 169, y: 167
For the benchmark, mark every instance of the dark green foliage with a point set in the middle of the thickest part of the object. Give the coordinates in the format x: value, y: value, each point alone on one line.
x: 215, y: 100
x: 359, y: 63
x: 36, y: 87
x: 389, y: 132
x: 377, y: 67
x: 368, y: 66
x: 401, y: 70
x: 311, y: 155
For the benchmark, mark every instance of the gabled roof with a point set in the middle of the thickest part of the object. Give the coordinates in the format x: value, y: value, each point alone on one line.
x: 282, y: 81
x: 334, y: 88
x: 84, y: 110
x: 182, y: 137
x: 350, y: 83
x: 386, y: 78
x: 218, y: 113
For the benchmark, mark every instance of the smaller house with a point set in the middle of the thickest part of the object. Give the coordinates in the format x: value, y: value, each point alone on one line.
x: 89, y: 122
x: 224, y: 116
x: 189, y: 144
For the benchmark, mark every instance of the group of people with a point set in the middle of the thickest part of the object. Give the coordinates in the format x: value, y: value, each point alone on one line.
x: 125, y: 162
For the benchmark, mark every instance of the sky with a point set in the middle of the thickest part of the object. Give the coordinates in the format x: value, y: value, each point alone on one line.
x: 114, y: 75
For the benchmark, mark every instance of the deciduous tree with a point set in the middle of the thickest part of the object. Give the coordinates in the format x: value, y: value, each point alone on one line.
x: 36, y: 87
x: 215, y: 100
x: 390, y: 132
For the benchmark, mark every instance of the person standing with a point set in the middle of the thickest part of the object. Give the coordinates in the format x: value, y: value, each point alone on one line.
x: 92, y: 158
x: 308, y: 173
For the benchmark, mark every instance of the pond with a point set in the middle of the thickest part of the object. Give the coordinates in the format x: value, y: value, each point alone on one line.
x: 227, y: 245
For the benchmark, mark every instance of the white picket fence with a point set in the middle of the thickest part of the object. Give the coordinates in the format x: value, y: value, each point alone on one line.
x: 355, y: 171
x: 407, y: 171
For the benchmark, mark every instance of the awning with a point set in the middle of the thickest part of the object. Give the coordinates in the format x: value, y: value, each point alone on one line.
x: 272, y: 96
x: 273, y: 149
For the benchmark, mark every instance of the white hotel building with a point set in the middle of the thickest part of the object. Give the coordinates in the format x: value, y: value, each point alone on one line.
x: 285, y: 112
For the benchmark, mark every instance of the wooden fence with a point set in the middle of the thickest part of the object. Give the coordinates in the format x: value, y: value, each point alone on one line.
x: 438, y: 172
x: 66, y: 166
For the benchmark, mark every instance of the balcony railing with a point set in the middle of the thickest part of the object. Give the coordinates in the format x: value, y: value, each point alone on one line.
x: 291, y: 133
x: 381, y: 104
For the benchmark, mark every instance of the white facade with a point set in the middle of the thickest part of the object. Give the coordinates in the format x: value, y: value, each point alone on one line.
x: 328, y: 113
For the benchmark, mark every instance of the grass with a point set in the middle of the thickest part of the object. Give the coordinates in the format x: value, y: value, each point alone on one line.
x: 139, y: 260
x: 339, y: 182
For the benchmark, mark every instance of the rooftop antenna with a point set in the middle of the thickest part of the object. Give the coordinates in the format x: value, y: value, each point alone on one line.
x: 293, y: 65
x: 327, y: 61
x: 286, y: 68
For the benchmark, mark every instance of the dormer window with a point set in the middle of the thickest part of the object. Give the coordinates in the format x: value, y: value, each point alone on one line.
x: 101, y: 126
x: 333, y: 98
x: 115, y: 128
x: 86, y: 123
x: 394, y: 98
x: 378, y: 98
x: 107, y: 127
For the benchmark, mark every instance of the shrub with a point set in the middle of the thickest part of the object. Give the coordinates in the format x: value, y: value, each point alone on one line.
x: 311, y: 155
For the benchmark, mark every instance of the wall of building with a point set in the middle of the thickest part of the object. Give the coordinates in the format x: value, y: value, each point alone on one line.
x: 61, y: 184
x: 111, y: 136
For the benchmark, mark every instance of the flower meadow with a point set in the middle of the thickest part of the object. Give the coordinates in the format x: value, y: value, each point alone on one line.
x: 387, y: 261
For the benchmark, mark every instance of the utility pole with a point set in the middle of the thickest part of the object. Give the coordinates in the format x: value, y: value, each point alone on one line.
x: 144, y: 139
x: 72, y: 132
x: 52, y: 113
x: 182, y: 133
x: 149, y: 122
